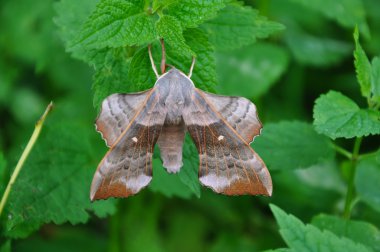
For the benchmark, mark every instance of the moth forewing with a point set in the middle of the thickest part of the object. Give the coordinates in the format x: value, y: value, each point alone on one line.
x: 127, y: 166
x: 228, y: 164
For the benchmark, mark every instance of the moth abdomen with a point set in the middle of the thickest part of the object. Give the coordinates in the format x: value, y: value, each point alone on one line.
x: 170, y: 144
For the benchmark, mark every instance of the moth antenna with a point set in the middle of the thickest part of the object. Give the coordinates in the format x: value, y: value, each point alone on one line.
x: 163, y: 59
x: 152, y: 61
x: 191, y: 67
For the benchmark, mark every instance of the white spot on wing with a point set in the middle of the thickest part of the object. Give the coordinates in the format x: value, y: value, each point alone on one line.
x: 134, y: 139
x: 220, y: 138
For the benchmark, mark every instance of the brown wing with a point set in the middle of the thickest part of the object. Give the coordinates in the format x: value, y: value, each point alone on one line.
x: 116, y: 114
x: 238, y: 112
x: 228, y: 164
x: 127, y: 166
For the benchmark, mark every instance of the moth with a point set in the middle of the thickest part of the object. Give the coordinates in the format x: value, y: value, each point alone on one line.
x: 222, y: 128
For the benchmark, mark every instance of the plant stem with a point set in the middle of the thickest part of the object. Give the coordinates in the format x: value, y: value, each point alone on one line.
x: 343, y: 151
x: 24, y: 156
x: 367, y: 155
x: 351, y: 177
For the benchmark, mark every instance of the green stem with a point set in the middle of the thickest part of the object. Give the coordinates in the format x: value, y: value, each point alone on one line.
x: 367, y: 155
x: 24, y: 156
x: 343, y: 151
x: 351, y: 177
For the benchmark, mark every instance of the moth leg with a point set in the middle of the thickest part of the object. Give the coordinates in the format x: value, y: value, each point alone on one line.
x: 191, y: 67
x: 163, y: 57
x: 152, y: 61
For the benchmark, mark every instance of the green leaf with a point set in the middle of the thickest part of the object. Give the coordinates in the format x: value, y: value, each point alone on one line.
x: 111, y: 75
x: 237, y: 26
x: 301, y: 237
x: 168, y: 184
x: 204, y: 75
x: 53, y: 186
x: 362, y: 67
x: 316, y: 51
x: 189, y: 172
x: 170, y: 29
x: 256, y: 68
x: 116, y: 23
x: 347, y: 13
x: 367, y: 180
x: 324, y: 176
x: 283, y: 147
x: 358, y: 231
x: 336, y: 115
x: 141, y: 75
x: 375, y: 80
x: 192, y: 13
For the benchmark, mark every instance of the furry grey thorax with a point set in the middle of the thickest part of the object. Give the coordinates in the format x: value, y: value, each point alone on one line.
x: 175, y: 90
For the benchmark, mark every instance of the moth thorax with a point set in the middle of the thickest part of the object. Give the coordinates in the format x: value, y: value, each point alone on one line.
x: 173, y: 118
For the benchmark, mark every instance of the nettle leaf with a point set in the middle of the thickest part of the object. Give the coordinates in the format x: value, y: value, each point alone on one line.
x: 256, y: 68
x: 301, y: 237
x: 283, y: 147
x: 375, y: 80
x: 111, y: 75
x: 54, y: 184
x: 367, y: 180
x: 204, y: 74
x: 189, y: 172
x: 237, y: 26
x: 316, y: 51
x: 336, y: 115
x: 170, y: 29
x: 347, y: 13
x: 324, y: 176
x: 192, y: 13
x: 116, y: 23
x: 362, y: 67
x: 168, y: 184
x: 141, y: 75
x: 358, y: 231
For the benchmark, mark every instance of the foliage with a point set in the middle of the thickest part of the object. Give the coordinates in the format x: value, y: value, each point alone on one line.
x: 320, y: 139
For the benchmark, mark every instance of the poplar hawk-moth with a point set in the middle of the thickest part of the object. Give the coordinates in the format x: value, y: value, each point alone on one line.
x: 222, y: 128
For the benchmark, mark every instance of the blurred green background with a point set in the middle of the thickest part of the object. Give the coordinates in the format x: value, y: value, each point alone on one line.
x: 283, y: 75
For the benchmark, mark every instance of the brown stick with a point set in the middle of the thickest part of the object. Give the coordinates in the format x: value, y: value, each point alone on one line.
x: 163, y: 58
